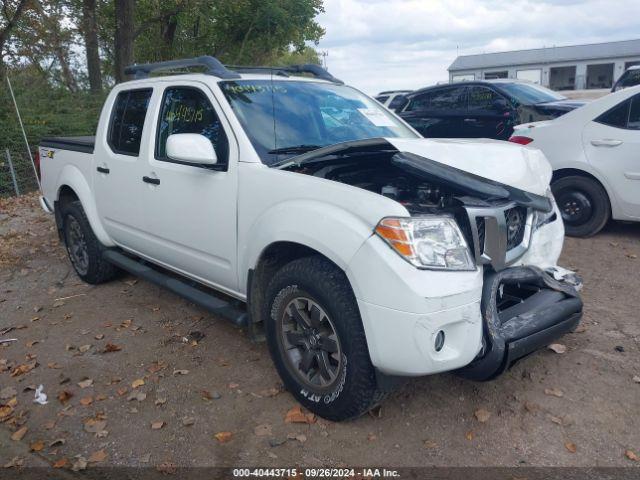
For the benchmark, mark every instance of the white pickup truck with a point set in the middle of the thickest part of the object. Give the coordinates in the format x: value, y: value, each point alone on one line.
x: 304, y: 211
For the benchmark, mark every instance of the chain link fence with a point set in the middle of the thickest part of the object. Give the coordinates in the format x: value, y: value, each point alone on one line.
x: 17, y: 176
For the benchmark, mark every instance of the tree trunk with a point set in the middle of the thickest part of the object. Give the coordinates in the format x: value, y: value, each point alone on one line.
x: 5, y: 33
x: 168, y: 33
x: 90, y: 33
x: 124, y: 37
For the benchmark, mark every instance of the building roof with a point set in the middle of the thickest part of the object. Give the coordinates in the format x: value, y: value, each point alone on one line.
x: 626, y: 48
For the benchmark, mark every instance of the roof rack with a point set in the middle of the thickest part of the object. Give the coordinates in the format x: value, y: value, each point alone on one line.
x: 310, y: 68
x: 212, y: 65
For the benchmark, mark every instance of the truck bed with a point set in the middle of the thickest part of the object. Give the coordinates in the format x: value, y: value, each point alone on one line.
x: 75, y: 144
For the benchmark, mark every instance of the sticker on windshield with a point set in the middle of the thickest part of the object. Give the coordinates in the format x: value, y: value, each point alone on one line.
x: 377, y: 117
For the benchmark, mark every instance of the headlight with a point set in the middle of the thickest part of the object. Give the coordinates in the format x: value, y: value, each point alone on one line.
x: 432, y: 242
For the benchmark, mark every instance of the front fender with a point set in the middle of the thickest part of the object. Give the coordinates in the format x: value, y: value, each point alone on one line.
x: 328, y: 229
x: 72, y: 177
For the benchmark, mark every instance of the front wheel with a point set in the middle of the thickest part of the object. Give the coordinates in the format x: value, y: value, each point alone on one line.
x: 317, y: 341
x: 583, y: 203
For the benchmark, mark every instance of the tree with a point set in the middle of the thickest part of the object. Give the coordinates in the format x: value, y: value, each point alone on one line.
x: 11, y: 13
x: 124, y: 37
x: 90, y: 34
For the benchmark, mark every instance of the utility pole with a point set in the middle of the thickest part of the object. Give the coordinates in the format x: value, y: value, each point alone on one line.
x: 324, y: 54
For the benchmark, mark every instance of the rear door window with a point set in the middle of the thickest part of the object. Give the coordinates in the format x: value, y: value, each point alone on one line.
x: 127, y: 121
x: 440, y: 100
x: 617, y: 116
x: 634, y: 114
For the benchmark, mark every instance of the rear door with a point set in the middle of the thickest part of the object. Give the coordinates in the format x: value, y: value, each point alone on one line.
x: 612, y: 145
x: 437, y: 113
x: 191, y: 210
x: 488, y: 114
x: 118, y: 166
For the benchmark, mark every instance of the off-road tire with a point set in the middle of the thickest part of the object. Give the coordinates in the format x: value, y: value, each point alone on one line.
x: 596, y: 194
x: 356, y: 392
x: 99, y: 270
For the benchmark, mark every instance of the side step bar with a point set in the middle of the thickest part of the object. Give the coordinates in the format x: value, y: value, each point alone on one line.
x: 206, y: 300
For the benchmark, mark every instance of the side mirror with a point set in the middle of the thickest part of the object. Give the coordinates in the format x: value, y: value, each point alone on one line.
x: 191, y: 148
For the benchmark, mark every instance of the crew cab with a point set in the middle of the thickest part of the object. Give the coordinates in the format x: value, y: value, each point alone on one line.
x: 307, y: 213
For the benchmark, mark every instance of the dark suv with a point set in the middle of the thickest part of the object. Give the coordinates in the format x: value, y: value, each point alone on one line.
x: 482, y: 109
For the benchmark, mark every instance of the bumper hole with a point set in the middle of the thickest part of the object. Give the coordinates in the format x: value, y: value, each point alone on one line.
x: 439, y: 343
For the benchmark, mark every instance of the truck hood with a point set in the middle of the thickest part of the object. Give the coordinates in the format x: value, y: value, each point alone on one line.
x: 506, y: 163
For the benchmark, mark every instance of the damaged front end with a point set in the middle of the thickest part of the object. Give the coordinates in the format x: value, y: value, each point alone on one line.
x: 524, y: 307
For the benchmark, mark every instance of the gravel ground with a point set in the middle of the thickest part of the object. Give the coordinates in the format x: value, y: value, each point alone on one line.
x: 165, y: 398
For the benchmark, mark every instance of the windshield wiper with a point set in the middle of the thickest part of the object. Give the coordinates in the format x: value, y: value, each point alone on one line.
x: 295, y: 149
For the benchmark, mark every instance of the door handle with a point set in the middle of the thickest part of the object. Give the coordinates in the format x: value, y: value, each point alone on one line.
x: 606, y: 142
x: 104, y: 170
x: 470, y: 120
x: 152, y: 181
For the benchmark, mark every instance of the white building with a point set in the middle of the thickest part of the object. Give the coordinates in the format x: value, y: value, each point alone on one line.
x: 576, y: 67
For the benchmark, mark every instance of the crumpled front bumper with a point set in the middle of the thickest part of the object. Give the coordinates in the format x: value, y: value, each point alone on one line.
x: 523, y: 309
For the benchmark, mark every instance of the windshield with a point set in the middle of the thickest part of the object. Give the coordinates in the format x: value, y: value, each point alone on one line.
x: 529, y: 93
x: 286, y: 118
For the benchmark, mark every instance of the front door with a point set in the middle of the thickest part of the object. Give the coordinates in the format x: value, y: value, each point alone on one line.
x: 190, y: 211
x: 612, y: 145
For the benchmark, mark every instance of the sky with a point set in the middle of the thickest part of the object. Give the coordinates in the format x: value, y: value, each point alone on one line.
x: 378, y: 45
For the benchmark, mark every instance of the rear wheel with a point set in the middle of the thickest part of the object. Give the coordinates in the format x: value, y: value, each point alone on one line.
x: 317, y: 341
x: 83, y: 248
x: 583, y: 203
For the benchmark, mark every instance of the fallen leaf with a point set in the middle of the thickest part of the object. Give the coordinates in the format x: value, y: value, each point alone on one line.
x: 157, y: 425
x: 188, y: 421
x: 137, y: 383
x: 531, y: 407
x: 160, y: 401
x: 110, y: 347
x: 270, y: 392
x: 24, y: 368
x: 636, y: 378
x: 32, y: 343
x: 233, y: 386
x: 37, y: 446
x: 570, y: 446
x: 556, y: 392
x: 100, y: 397
x: 63, y: 462
x: 632, y: 255
x: 85, y: 383
x: 430, y: 444
x: 296, y: 415
x: 53, y: 365
x: 482, y: 415
x: 15, y: 462
x: 145, y: 458
x: 86, y: 401
x: 122, y: 391
x: 79, y: 464
x: 297, y: 436
x: 97, y: 457
x: 139, y: 396
x: 99, y: 336
x: 64, y: 396
x: 558, y: 347
x: 555, y: 419
x: 223, y: 437
x: 49, y: 425
x: 168, y: 468
x: 57, y: 442
x: 93, y: 425
x: 372, y: 437
x: 180, y: 372
x: 631, y: 455
x: 469, y: 435
x: 580, y: 328
x: 263, y: 430
x: 84, y: 348
x: 19, y: 434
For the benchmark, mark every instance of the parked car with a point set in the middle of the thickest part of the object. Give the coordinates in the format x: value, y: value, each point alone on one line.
x: 303, y: 210
x: 481, y: 109
x: 595, y: 154
x: 392, y: 99
x: 630, y: 78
